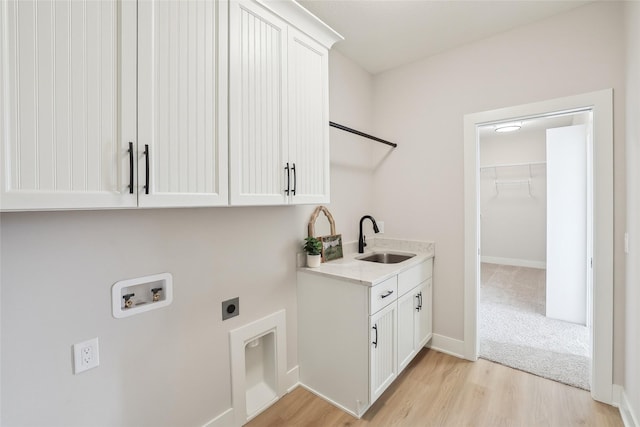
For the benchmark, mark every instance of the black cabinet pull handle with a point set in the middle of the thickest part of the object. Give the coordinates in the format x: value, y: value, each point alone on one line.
x: 295, y: 178
x: 375, y: 342
x: 418, y: 304
x: 288, y: 180
x: 130, y: 167
x: 386, y: 295
x: 420, y: 296
x: 146, y: 155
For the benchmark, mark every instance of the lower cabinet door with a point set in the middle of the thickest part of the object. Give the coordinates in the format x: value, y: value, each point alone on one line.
x: 408, y: 306
x: 424, y: 322
x: 382, y: 353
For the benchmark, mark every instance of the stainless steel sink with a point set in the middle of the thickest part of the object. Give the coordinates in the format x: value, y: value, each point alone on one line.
x: 386, y: 257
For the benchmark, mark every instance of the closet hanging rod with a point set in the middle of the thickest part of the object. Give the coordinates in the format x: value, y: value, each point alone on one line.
x: 357, y: 132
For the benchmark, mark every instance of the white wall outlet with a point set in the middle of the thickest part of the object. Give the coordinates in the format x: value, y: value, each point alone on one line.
x: 85, y: 355
x: 380, y: 226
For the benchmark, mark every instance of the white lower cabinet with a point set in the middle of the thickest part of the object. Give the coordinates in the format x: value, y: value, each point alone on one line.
x: 382, y: 353
x: 354, y: 340
x: 407, y: 309
x: 424, y: 324
x: 414, y: 322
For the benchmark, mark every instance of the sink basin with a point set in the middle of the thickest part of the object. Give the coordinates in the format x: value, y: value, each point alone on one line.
x: 386, y: 257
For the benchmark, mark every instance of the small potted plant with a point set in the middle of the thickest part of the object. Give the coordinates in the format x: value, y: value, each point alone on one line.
x: 313, y: 248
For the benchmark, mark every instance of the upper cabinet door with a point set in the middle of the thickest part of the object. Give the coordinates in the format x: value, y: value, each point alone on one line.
x: 67, y: 111
x: 257, y: 106
x: 308, y: 91
x: 182, y: 98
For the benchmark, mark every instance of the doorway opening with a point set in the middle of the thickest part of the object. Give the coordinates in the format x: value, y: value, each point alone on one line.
x: 601, y: 105
x: 535, y: 240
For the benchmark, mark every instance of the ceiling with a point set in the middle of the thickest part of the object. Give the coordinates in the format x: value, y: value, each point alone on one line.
x: 384, y: 34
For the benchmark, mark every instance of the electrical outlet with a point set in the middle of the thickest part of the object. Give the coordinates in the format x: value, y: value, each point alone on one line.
x: 85, y: 355
x: 230, y: 308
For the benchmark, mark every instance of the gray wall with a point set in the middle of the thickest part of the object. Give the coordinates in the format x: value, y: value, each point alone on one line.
x: 423, y: 105
x: 165, y: 367
x: 514, y: 223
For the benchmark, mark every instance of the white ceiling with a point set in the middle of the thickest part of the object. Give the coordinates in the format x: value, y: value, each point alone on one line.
x: 384, y: 34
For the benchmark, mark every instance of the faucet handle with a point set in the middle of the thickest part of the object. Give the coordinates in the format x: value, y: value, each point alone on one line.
x: 364, y: 240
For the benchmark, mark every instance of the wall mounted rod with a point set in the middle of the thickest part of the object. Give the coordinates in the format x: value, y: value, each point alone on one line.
x: 357, y: 132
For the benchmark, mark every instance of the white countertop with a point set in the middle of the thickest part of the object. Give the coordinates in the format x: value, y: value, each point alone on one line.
x: 371, y: 273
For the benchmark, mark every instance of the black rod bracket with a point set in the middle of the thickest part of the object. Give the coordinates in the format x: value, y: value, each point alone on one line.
x: 357, y: 132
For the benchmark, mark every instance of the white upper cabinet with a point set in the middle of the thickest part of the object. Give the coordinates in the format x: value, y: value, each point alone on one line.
x: 279, y: 121
x: 112, y: 104
x: 182, y: 139
x: 257, y: 106
x: 308, y: 137
x: 67, y: 107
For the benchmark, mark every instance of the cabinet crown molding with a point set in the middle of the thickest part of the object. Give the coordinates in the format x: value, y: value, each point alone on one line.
x: 299, y: 17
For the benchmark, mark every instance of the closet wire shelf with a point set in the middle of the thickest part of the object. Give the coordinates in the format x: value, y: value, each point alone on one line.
x: 512, y: 182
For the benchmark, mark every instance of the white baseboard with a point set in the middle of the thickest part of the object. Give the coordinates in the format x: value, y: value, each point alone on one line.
x: 293, y: 378
x: 226, y: 419
x: 514, y: 262
x: 447, y: 345
x: 627, y: 412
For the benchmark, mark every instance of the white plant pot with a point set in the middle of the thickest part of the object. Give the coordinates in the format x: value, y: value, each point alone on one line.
x: 313, y: 261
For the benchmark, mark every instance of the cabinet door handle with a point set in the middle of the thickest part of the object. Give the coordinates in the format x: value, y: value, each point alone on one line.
x: 375, y: 341
x: 295, y: 178
x: 146, y: 155
x: 420, y: 296
x: 288, y: 180
x: 386, y: 295
x: 418, y: 303
x: 130, y: 167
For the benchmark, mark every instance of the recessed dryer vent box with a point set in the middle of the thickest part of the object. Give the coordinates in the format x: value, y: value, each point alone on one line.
x: 134, y: 296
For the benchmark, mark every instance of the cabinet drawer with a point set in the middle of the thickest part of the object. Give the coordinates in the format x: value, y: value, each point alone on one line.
x: 382, y: 294
x: 412, y: 277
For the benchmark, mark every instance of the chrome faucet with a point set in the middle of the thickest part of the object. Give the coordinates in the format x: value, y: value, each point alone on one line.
x: 361, y: 238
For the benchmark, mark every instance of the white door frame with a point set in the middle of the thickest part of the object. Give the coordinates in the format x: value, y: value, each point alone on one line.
x: 601, y: 103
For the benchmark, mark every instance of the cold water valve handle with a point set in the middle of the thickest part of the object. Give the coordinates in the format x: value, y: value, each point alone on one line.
x: 128, y: 302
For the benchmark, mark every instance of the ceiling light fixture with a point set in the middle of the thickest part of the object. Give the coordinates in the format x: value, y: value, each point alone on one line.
x: 508, y: 127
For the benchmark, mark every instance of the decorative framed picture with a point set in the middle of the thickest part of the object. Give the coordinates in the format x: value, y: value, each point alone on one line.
x: 331, y: 247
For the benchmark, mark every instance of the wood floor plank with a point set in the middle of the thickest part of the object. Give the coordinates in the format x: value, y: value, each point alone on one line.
x: 441, y: 390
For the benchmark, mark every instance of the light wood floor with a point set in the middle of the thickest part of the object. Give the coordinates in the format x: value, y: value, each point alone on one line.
x: 441, y: 390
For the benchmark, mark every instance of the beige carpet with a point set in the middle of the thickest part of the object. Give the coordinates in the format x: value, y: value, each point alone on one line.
x: 514, y: 330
